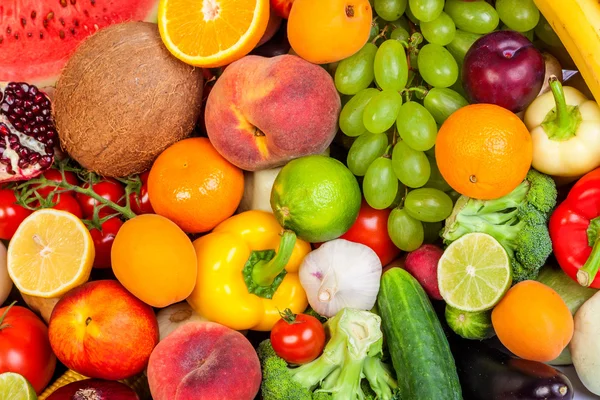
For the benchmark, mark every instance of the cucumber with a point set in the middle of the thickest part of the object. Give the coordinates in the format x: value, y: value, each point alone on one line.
x: 417, y: 344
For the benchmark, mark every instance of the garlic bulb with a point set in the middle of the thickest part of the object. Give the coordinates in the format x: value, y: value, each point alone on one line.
x: 341, y: 274
x: 174, y: 316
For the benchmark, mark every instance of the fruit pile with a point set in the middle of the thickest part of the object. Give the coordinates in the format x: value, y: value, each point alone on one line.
x: 299, y: 199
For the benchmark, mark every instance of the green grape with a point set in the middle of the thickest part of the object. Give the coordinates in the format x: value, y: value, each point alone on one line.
x: 399, y: 196
x: 436, y: 180
x: 476, y: 16
x: 389, y: 10
x: 411, y: 16
x: 406, y: 232
x: 430, y: 153
x: 410, y: 166
x: 401, y: 22
x: 442, y: 102
x: 426, y: 10
x: 416, y: 126
x: 439, y: 31
x: 375, y: 29
x: 380, y: 185
x: 454, y: 195
x: 351, y: 117
x: 529, y: 34
x: 391, y: 67
x: 518, y: 15
x: 382, y: 111
x: 400, y: 34
x: 437, y: 66
x: 432, y: 231
x: 428, y: 205
x: 355, y: 73
x: 544, y: 31
x: 461, y: 43
x: 366, y: 149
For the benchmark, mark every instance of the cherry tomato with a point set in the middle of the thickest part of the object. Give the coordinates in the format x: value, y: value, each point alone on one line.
x: 103, y: 241
x: 140, y: 204
x: 54, y: 175
x: 25, y: 348
x: 371, y: 230
x: 110, y: 189
x: 11, y: 214
x: 298, y: 339
x: 66, y: 202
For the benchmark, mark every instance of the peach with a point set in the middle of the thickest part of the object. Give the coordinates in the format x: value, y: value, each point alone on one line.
x: 204, y: 361
x: 263, y: 112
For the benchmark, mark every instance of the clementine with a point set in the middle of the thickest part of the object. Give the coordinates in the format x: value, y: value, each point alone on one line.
x: 483, y: 151
x: 191, y: 184
x: 328, y: 31
x: 154, y: 260
x: 533, y: 321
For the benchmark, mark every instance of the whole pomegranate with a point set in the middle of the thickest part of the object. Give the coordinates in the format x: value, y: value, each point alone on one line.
x: 27, y: 132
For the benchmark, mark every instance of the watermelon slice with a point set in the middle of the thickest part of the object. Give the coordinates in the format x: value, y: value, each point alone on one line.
x: 37, y: 37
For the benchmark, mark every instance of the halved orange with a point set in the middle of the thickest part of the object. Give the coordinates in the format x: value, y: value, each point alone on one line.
x: 212, y: 33
x: 51, y: 252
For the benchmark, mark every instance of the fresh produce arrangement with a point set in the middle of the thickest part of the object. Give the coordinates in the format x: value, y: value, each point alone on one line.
x: 299, y: 200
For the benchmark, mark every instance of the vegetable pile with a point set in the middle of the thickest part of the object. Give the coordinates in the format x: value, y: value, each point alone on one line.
x: 299, y: 200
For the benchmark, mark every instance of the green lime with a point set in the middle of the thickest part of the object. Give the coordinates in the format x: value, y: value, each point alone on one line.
x: 470, y: 325
x: 15, y: 387
x: 474, y: 273
x: 317, y: 197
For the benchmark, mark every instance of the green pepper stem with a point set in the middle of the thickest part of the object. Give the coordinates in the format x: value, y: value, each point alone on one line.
x: 562, y: 122
x: 264, y: 273
x: 587, y: 273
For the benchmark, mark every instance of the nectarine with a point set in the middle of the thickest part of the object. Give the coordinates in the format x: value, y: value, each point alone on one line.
x: 263, y: 112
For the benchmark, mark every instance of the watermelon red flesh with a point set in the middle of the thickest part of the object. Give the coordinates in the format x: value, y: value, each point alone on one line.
x: 37, y: 37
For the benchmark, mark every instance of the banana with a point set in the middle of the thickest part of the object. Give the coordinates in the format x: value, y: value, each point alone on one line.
x: 577, y: 24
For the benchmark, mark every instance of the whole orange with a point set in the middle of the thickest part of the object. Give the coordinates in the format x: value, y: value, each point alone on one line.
x: 328, y: 31
x: 483, y: 151
x: 191, y: 184
x: 155, y: 260
x: 533, y: 321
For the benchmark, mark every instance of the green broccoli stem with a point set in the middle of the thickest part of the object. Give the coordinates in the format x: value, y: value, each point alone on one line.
x: 380, y: 378
x: 265, y: 272
x: 587, y: 273
x: 348, y: 382
x: 562, y: 122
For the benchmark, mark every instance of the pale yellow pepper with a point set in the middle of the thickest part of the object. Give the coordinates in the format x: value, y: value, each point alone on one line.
x: 221, y: 293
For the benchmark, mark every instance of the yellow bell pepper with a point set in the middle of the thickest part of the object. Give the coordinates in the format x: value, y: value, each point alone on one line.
x: 239, y: 281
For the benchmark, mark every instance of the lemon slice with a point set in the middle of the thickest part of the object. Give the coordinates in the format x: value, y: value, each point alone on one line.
x: 15, y: 387
x: 474, y: 273
x: 51, y: 252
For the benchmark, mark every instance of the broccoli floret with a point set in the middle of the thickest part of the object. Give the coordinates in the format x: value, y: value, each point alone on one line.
x: 518, y: 221
x: 350, y: 367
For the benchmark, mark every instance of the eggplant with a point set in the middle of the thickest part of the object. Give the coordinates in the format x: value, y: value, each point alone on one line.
x: 487, y: 373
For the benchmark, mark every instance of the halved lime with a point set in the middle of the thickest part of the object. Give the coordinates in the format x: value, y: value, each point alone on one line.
x: 474, y: 273
x: 15, y: 387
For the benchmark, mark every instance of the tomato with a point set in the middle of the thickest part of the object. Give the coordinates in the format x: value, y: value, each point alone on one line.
x: 371, y: 230
x: 298, y: 339
x: 11, y: 214
x: 66, y: 202
x: 55, y: 175
x: 110, y: 189
x: 25, y: 348
x: 103, y: 241
x: 140, y: 204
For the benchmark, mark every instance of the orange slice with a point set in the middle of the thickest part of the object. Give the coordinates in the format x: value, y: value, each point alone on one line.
x: 51, y: 252
x: 212, y: 33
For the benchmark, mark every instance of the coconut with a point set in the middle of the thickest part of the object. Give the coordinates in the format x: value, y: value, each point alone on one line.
x: 122, y: 99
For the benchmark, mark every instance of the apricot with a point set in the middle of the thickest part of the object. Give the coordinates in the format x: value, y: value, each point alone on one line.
x: 328, y: 31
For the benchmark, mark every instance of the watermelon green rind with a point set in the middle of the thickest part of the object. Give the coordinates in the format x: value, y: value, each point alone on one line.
x: 37, y: 37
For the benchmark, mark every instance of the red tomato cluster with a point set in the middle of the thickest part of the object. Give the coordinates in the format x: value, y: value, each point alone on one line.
x: 80, y: 205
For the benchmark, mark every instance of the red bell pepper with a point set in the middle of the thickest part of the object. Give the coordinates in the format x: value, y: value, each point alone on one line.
x: 575, y: 231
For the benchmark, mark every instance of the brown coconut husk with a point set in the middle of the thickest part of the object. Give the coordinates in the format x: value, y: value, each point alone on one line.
x: 123, y: 98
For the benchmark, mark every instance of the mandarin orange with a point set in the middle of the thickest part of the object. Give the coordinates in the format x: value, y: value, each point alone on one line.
x: 483, y: 151
x: 191, y: 184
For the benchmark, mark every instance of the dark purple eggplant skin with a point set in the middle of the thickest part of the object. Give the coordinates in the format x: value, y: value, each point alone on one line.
x: 487, y: 373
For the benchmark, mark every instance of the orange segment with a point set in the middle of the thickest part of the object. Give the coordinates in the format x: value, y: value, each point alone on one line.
x: 51, y: 252
x: 212, y: 33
